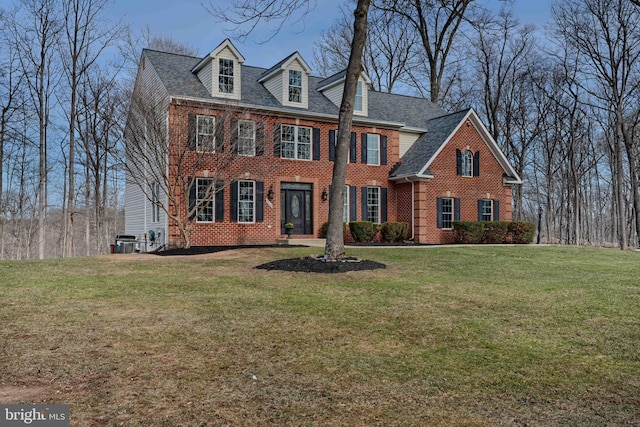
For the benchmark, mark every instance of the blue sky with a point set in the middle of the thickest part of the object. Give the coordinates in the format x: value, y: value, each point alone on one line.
x: 187, y: 21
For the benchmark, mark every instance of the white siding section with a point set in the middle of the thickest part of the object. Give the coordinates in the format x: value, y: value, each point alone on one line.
x: 334, y: 94
x: 274, y: 85
x: 206, y: 76
x: 134, y: 208
x: 407, y: 140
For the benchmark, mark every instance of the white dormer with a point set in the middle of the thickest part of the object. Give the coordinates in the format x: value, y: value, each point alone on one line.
x: 288, y: 81
x: 333, y: 88
x: 220, y: 71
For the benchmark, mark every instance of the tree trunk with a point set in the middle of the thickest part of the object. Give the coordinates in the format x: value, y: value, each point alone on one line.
x: 334, y: 248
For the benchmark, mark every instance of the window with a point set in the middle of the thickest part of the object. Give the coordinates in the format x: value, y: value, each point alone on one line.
x: 225, y: 75
x: 486, y: 210
x: 446, y: 213
x: 373, y: 149
x: 246, y: 138
x: 373, y: 204
x: 359, y: 101
x: 345, y: 207
x: 155, y: 201
x: 467, y: 163
x: 205, y: 192
x: 296, y: 142
x: 246, y: 201
x: 205, y: 133
x: 295, y: 86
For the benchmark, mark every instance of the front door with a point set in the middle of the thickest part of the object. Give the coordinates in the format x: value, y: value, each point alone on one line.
x: 296, y: 207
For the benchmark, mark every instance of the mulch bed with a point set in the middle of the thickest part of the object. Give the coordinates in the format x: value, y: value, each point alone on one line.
x: 305, y: 264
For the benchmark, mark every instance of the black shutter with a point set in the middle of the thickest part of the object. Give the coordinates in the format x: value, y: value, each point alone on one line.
x: 233, y: 208
x: 192, y: 199
x: 316, y: 143
x: 363, y: 155
x: 439, y: 213
x: 332, y: 145
x: 219, y: 134
x: 457, y: 209
x: 191, y: 130
x: 458, y: 162
x: 383, y: 205
x: 480, y: 204
x: 353, y: 151
x: 353, y: 203
x: 219, y: 201
x: 259, y: 201
x: 233, y: 140
x: 365, y: 211
x: 476, y: 164
x: 383, y: 150
x: 259, y: 138
x: 277, y: 141
x: 496, y: 210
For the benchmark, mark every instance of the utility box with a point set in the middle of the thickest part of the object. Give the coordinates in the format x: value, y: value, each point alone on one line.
x: 126, y: 244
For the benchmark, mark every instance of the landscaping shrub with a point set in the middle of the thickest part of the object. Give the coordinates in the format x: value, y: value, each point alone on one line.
x: 394, y: 231
x: 364, y: 231
x: 522, y: 232
x: 468, y: 231
x: 495, y: 232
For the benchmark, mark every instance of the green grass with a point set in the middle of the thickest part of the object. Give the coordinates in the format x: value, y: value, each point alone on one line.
x: 473, y: 336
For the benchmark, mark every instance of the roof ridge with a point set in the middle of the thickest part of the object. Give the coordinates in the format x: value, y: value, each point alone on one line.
x: 170, y: 53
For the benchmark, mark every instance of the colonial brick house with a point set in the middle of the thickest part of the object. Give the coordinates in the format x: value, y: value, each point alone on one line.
x: 409, y: 160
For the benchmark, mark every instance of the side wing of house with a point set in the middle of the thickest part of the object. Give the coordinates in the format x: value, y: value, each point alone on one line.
x: 145, y: 137
x: 455, y: 172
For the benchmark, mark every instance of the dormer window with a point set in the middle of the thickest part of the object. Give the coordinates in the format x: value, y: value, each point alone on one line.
x: 359, y: 101
x: 295, y: 86
x: 225, y: 75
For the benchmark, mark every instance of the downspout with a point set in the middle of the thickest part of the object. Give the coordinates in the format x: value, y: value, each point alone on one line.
x: 413, y: 207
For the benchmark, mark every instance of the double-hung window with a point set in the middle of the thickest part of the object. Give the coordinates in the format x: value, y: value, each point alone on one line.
x: 225, y: 75
x: 295, y: 86
x: 246, y: 138
x: 446, y: 214
x: 345, y: 207
x: 246, y: 201
x: 295, y: 142
x: 373, y: 204
x: 205, y: 135
x: 155, y: 201
x: 486, y: 210
x: 205, y: 191
x: 467, y: 163
x: 373, y: 149
x: 359, y: 100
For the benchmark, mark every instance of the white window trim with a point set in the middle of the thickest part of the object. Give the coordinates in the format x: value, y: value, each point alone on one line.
x: 253, y: 202
x: 253, y: 139
x: 290, y: 86
x: 359, y: 97
x: 155, y: 203
x: 199, y: 147
x: 346, y: 214
x: 378, y: 207
x: 490, y: 204
x: 451, y: 213
x: 467, y: 163
x: 296, y: 142
x: 199, y: 201
x: 376, y: 137
x: 231, y: 76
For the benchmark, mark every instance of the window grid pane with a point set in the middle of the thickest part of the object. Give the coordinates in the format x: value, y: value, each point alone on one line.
x: 296, y: 142
x: 245, y: 201
x: 204, y: 199
x: 345, y: 212
x: 447, y: 213
x: 467, y: 163
x: 246, y: 138
x: 205, y: 133
x: 225, y: 76
x: 487, y: 210
x: 373, y: 149
x: 358, y: 101
x: 373, y: 204
x: 295, y: 86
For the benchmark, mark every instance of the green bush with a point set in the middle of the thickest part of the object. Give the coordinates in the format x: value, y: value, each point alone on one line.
x: 325, y: 227
x: 468, y: 232
x: 522, y: 232
x: 495, y: 232
x: 364, y: 231
x: 394, y: 231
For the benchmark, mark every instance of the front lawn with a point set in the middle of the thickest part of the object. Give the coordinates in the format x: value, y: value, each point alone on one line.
x: 474, y: 336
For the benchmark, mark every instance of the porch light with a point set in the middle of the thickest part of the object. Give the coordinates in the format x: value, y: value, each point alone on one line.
x: 325, y: 196
x: 270, y: 194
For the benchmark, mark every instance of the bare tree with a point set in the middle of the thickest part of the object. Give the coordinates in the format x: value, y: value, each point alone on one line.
x: 251, y: 12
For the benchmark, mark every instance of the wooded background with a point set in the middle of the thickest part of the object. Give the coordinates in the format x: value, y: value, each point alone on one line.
x: 561, y: 100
